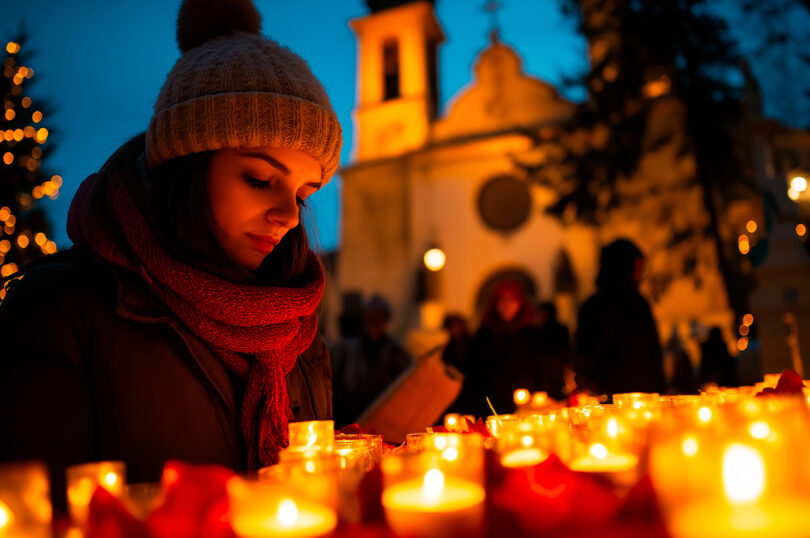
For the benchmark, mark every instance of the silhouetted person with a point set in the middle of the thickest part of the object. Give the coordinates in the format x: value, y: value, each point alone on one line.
x: 503, y: 357
x: 553, y: 345
x: 457, y: 350
x: 365, y: 365
x: 617, y: 340
x: 717, y: 365
x: 682, y: 375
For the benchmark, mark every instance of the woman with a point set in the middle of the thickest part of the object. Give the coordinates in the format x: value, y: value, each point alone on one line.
x: 502, y: 355
x: 182, y: 324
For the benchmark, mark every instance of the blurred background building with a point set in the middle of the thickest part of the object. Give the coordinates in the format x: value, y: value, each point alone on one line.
x: 508, y: 183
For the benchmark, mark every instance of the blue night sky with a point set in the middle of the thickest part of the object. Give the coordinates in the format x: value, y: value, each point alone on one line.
x: 102, y: 63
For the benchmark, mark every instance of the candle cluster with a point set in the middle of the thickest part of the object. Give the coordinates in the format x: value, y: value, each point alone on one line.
x: 723, y: 463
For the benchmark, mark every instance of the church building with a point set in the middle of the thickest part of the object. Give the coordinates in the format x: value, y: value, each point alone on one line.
x: 422, y: 179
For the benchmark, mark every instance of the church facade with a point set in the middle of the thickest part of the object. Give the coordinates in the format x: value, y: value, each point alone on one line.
x: 419, y: 180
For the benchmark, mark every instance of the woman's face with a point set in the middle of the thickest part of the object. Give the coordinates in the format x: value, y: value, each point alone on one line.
x: 508, y: 306
x: 255, y: 194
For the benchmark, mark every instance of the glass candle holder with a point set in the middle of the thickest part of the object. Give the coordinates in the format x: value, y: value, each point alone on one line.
x: 522, y: 443
x: 460, y: 454
x: 25, y: 500
x: 82, y: 481
x: 429, y: 495
x: 270, y: 508
x: 495, y: 422
x: 416, y: 442
x: 743, y: 472
x: 607, y: 446
x: 313, y: 434
x: 368, y: 445
x: 457, y: 423
x: 301, y: 468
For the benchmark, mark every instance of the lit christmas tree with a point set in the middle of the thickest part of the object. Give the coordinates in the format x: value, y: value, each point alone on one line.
x: 24, y: 180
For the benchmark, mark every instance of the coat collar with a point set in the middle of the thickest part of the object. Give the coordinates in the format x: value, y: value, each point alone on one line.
x: 136, y: 301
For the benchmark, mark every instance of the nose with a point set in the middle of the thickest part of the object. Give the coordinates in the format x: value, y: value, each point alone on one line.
x: 284, y: 211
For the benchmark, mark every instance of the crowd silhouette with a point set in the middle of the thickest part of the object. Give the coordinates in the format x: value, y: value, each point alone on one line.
x: 614, y: 348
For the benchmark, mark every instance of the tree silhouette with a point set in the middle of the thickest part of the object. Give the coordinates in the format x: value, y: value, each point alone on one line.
x: 24, y: 180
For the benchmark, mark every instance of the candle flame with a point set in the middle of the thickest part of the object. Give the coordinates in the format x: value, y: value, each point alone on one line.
x: 521, y: 396
x: 704, y: 414
x: 612, y: 428
x: 5, y: 515
x: 743, y: 474
x: 759, y: 430
x: 598, y: 451
x: 433, y: 484
x: 450, y: 454
x: 110, y: 479
x: 689, y: 446
x: 287, y: 512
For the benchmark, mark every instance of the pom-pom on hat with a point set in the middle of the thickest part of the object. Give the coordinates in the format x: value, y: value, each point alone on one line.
x: 234, y: 88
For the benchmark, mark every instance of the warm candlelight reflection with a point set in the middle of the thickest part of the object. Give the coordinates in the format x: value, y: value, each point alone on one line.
x: 743, y: 474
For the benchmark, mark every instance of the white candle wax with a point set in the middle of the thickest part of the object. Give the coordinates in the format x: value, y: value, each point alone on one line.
x: 453, y: 508
x: 291, y: 519
x: 608, y: 464
x: 524, y: 457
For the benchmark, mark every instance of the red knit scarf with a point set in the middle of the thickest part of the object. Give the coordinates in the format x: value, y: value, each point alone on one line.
x: 272, y: 324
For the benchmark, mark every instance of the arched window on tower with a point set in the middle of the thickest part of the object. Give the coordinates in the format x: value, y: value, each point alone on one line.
x: 390, y: 69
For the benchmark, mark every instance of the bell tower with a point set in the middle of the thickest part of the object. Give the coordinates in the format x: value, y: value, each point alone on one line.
x: 397, y: 91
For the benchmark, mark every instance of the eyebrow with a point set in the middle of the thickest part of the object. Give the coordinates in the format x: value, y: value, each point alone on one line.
x: 276, y: 164
x: 271, y: 161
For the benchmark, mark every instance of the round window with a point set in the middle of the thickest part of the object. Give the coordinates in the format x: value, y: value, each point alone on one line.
x: 504, y: 203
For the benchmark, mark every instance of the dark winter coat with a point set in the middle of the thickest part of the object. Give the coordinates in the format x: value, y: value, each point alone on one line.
x: 93, y: 367
x: 500, y: 361
x: 618, y: 349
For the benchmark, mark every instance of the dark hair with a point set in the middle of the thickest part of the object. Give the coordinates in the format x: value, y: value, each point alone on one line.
x: 176, y: 204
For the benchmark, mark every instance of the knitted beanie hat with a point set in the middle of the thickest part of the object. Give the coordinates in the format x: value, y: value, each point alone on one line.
x: 234, y: 88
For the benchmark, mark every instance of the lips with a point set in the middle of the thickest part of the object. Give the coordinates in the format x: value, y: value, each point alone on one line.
x: 263, y: 243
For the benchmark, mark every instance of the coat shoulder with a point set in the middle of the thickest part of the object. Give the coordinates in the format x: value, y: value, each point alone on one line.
x: 68, y: 276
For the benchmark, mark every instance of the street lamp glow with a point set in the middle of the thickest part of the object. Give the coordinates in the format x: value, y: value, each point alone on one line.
x: 434, y: 259
x: 798, y: 184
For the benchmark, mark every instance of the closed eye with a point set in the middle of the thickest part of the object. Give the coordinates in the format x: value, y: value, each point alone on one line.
x: 256, y: 183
